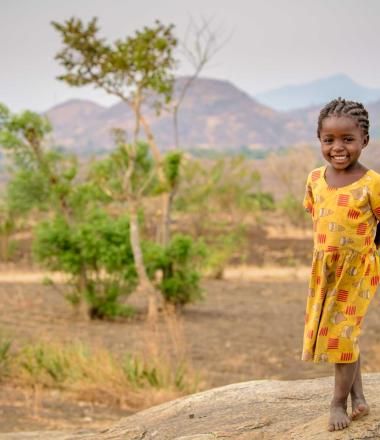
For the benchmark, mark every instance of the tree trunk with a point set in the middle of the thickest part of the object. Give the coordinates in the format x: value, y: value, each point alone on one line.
x: 83, y: 306
x: 167, y: 202
x: 144, y: 282
x: 4, y: 246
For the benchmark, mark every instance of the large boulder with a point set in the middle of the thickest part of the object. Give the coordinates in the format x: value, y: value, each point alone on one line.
x: 264, y: 409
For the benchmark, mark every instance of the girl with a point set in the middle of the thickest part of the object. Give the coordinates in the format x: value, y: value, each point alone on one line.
x: 344, y: 200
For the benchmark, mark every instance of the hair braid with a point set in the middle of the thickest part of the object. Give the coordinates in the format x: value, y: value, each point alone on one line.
x: 342, y: 107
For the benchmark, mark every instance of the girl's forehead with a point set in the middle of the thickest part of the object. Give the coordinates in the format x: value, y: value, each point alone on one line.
x: 339, y: 123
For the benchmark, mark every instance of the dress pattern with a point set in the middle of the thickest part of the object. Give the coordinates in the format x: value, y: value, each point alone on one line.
x: 345, y: 268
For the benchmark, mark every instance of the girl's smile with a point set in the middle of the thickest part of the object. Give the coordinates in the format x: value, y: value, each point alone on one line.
x: 342, y: 142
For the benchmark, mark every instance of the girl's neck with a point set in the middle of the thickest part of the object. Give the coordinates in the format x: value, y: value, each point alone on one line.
x: 340, y: 178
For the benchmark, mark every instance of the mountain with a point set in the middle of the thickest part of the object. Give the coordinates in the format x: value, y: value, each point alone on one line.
x: 214, y: 114
x: 70, y: 121
x: 317, y: 92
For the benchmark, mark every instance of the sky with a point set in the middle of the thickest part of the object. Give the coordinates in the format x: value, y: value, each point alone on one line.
x: 268, y: 43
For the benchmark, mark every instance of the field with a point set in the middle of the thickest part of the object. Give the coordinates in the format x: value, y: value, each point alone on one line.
x: 248, y: 327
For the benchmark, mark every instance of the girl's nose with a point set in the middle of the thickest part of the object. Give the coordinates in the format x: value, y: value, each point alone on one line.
x: 338, y: 145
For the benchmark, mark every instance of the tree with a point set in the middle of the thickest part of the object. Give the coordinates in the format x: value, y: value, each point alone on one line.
x: 138, y: 70
x: 126, y: 176
x: 78, y: 238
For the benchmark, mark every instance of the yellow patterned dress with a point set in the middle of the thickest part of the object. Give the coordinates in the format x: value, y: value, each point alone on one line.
x: 346, y: 266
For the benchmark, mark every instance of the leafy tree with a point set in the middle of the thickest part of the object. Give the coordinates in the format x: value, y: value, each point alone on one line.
x: 70, y: 240
x: 41, y: 176
x: 138, y: 70
x: 126, y: 175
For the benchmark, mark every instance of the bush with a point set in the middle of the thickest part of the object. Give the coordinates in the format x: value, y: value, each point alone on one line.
x: 264, y: 201
x: 179, y: 264
x: 96, y: 253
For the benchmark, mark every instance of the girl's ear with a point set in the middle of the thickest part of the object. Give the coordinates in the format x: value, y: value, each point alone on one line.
x: 365, y: 140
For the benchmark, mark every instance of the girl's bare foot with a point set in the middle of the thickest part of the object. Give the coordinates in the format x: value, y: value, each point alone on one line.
x: 339, y: 418
x: 360, y: 408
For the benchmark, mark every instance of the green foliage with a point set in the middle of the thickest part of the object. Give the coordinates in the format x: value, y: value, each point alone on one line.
x: 5, y: 345
x: 107, y: 305
x: 22, y: 135
x: 141, y: 374
x: 139, y: 63
x: 40, y: 177
x: 7, y: 228
x: 171, y: 166
x: 110, y: 173
x: 225, y: 185
x: 27, y: 189
x: 294, y: 210
x: 77, y: 367
x: 222, y: 248
x: 43, y: 365
x: 263, y: 200
x: 97, y: 254
x: 179, y: 263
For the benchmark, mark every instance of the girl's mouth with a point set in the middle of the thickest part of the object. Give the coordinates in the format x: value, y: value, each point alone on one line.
x: 340, y: 158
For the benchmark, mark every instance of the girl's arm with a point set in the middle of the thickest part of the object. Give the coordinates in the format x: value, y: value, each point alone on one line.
x: 377, y: 236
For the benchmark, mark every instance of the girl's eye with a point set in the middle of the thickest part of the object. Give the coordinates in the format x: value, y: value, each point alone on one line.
x: 348, y: 139
x: 327, y: 141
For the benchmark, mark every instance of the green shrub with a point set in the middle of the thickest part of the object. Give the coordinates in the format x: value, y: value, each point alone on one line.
x: 263, y: 200
x: 96, y: 254
x: 179, y: 264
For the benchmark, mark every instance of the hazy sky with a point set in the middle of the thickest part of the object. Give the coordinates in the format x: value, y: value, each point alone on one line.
x: 272, y: 43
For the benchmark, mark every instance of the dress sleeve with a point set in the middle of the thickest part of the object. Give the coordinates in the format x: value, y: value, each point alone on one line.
x: 374, y: 196
x: 308, y: 201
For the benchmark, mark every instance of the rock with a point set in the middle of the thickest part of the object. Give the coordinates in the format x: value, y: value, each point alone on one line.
x: 265, y: 410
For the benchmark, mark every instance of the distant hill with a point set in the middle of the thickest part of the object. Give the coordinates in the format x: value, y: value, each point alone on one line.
x: 215, y: 114
x: 70, y: 121
x: 317, y: 92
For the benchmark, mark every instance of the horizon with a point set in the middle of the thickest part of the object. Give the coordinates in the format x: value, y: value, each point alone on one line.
x: 108, y: 106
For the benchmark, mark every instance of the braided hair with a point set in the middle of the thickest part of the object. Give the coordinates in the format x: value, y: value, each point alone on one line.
x: 342, y: 107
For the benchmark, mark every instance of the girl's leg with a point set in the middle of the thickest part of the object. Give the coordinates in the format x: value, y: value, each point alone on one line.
x: 360, y: 407
x: 344, y: 379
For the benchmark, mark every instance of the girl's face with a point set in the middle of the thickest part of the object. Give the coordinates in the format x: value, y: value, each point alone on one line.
x: 342, y: 141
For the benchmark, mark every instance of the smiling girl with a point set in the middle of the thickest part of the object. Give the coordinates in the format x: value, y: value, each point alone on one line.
x: 343, y: 198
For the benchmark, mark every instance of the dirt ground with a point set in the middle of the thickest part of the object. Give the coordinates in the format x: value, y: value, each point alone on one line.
x: 248, y: 327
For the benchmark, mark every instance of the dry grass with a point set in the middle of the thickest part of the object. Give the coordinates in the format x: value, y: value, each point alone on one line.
x: 93, y: 374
